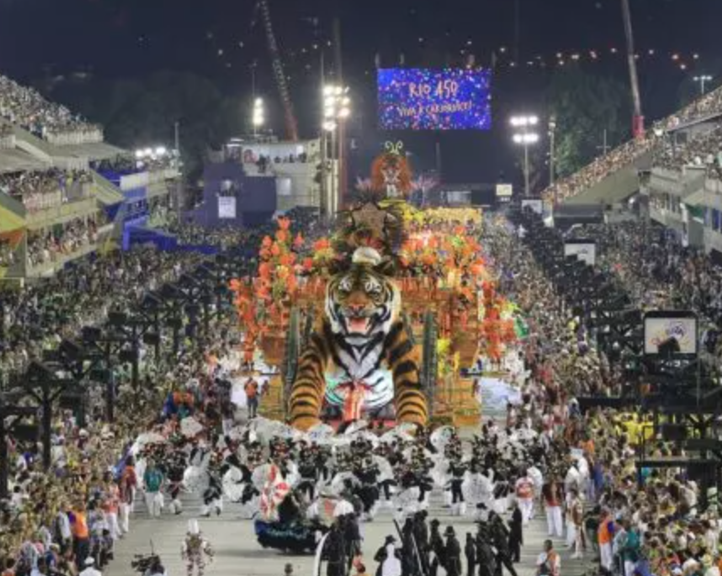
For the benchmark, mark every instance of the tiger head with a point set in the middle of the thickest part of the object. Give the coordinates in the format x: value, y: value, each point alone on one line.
x: 363, y: 301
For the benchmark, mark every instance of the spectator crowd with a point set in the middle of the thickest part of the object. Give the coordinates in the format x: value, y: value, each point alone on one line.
x: 127, y: 164
x: 638, y: 521
x: 39, y: 316
x: 708, y: 105
x: 52, y: 244
x: 702, y: 152
x: 45, y: 189
x: 54, y: 122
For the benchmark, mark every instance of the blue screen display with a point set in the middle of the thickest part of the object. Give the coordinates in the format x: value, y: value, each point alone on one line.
x: 426, y: 99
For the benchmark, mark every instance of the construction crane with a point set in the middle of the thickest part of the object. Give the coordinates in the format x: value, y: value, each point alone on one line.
x: 278, y: 73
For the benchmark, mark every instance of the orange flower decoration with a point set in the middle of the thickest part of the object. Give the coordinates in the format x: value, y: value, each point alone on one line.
x: 264, y: 270
x: 263, y: 292
x: 287, y: 259
x: 321, y: 244
x: 298, y: 242
x: 428, y: 258
x: 275, y: 250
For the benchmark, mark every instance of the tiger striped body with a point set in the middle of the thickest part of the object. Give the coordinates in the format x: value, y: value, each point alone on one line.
x: 361, y: 339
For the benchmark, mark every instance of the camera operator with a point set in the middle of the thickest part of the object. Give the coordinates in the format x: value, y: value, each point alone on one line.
x: 149, y: 565
x: 155, y: 568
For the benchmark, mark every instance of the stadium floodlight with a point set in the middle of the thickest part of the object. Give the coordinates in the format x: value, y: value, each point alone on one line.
x: 148, y: 152
x: 336, y: 104
x: 525, y: 137
x: 523, y: 121
x: 702, y: 81
x: 329, y: 125
x: 160, y: 151
x: 258, y: 117
x: 139, y: 154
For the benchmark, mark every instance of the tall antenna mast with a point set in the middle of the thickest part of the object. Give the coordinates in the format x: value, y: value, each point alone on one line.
x: 278, y: 72
x: 638, y: 119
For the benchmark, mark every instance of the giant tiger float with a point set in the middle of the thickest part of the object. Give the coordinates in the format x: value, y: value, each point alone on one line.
x: 379, y: 321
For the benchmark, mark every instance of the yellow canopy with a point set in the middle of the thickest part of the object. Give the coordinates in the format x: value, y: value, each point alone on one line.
x: 10, y: 221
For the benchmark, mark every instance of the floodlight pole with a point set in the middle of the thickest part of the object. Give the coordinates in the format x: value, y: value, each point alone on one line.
x: 526, y: 168
x: 323, y: 185
x: 338, y: 57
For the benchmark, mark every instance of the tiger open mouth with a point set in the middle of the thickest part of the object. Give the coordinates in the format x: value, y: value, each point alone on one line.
x: 358, y: 325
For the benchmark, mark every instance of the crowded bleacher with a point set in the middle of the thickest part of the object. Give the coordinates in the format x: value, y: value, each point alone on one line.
x: 709, y: 105
x: 46, y: 189
x: 657, y: 524
x: 26, y: 107
x: 51, y: 245
x: 702, y: 152
x: 143, y: 161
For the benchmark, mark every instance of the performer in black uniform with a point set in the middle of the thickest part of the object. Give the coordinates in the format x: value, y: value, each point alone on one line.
x: 470, y: 553
x: 500, y: 540
x: 436, y: 545
x: 516, y: 538
x: 452, y: 553
x: 484, y: 553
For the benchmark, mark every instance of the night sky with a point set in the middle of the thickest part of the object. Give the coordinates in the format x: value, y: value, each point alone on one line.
x: 221, y: 39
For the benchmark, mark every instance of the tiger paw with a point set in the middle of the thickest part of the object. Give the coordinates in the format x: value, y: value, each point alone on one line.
x: 305, y: 423
x: 418, y: 420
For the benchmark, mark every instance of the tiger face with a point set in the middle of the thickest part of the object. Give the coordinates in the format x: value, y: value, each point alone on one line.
x: 362, y: 303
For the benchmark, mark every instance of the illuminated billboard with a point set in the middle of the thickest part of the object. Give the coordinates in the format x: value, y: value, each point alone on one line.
x: 427, y: 99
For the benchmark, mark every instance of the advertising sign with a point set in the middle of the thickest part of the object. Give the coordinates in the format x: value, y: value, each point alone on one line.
x: 504, y: 190
x: 226, y: 206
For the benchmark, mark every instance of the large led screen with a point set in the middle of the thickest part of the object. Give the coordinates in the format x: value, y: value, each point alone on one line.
x: 670, y: 333
x: 584, y: 250
x: 426, y: 99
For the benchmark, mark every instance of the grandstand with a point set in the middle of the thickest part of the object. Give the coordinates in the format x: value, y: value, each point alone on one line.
x: 64, y: 191
x: 615, y: 176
